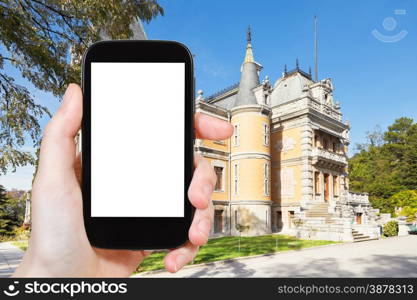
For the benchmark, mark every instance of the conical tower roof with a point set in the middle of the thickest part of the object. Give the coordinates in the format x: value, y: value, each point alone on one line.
x: 249, y: 76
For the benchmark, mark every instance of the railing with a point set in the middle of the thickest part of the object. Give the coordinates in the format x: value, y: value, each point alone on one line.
x: 358, y: 197
x: 326, y: 109
x: 305, y: 102
x: 223, y: 91
x: 318, y: 154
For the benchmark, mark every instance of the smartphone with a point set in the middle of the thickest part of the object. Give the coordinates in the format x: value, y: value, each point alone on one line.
x: 137, y: 144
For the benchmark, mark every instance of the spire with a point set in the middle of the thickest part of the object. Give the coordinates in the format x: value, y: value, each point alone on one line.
x: 297, y: 65
x: 249, y: 54
x: 249, y: 75
x: 316, y: 65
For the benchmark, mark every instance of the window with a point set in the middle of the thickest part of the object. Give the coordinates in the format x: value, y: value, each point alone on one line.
x: 236, y: 179
x: 325, y: 144
x: 218, y: 221
x: 335, y: 147
x: 219, y: 175
x: 266, y: 99
x: 317, y: 183
x: 278, y: 221
x: 266, y: 179
x: 291, y: 219
x: 236, y: 219
x: 266, y: 219
x: 266, y: 134
x: 335, y: 186
x: 316, y: 141
x: 236, y: 135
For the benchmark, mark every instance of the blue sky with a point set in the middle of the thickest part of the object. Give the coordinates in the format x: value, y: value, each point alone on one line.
x: 374, y: 81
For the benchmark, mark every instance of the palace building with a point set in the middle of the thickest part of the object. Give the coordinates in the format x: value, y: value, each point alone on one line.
x: 285, y: 168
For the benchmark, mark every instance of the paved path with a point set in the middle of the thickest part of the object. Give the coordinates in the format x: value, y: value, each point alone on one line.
x: 391, y: 257
x: 10, y: 257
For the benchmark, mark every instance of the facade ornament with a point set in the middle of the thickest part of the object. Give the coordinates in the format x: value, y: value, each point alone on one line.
x: 200, y: 96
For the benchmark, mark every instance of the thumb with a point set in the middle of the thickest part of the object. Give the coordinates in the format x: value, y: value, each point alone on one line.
x: 57, y: 154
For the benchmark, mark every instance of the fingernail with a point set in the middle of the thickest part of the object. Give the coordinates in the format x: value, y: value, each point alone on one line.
x: 208, y: 190
x: 204, y: 226
x: 180, y: 262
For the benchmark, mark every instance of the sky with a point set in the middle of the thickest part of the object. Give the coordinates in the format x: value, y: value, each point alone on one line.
x: 368, y: 48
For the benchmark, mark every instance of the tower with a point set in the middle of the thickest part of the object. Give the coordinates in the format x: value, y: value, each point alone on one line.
x: 250, y: 159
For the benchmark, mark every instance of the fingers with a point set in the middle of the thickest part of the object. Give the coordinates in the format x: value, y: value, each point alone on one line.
x: 58, y: 147
x: 211, y: 128
x: 200, y: 228
x: 202, y: 184
x: 178, y: 258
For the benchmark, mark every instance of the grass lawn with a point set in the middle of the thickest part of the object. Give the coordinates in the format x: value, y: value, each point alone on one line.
x: 228, y: 247
x: 23, y: 245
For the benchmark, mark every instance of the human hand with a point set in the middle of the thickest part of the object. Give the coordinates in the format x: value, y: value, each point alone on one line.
x: 58, y: 246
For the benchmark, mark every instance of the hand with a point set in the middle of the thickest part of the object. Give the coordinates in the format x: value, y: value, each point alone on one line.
x: 58, y: 246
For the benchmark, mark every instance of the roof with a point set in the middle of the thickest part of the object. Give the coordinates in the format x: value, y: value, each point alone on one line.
x: 290, y: 87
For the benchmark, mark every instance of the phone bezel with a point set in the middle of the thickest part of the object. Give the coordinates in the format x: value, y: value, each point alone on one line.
x: 137, y: 232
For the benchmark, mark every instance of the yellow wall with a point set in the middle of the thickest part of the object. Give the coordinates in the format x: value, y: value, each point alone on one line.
x: 290, y: 140
x: 217, y: 145
x: 250, y: 132
x: 250, y: 180
x: 289, y: 184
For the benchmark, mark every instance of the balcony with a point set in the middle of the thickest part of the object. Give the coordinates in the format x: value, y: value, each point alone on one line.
x: 326, y: 157
x: 358, y: 198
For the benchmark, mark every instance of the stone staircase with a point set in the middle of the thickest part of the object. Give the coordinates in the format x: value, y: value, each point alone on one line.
x: 320, y: 211
x: 359, y: 237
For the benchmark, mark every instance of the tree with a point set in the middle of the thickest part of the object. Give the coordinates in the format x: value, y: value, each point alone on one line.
x: 11, y: 213
x: 45, y: 40
x: 385, y: 169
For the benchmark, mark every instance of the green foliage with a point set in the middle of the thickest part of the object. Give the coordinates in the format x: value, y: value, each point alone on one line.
x: 22, y: 245
x: 12, y: 212
x: 45, y: 41
x: 386, y: 164
x: 390, y: 228
x: 409, y: 212
x: 405, y: 198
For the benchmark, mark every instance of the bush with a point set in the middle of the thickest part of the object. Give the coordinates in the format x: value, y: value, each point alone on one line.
x: 409, y: 212
x: 391, y: 228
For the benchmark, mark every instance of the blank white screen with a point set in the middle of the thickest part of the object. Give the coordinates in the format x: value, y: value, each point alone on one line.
x: 137, y: 139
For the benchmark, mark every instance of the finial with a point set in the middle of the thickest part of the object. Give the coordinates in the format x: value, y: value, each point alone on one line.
x: 249, y: 35
x: 297, y: 66
x: 309, y: 71
x: 200, y: 95
x: 285, y: 69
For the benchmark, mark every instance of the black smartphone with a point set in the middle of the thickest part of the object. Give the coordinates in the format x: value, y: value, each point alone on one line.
x: 137, y: 144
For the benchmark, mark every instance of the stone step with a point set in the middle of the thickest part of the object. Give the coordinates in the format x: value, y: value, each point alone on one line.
x: 317, y: 214
x: 360, y: 237
x: 364, y: 239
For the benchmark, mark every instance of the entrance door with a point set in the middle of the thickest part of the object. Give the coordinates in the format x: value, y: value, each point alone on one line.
x: 358, y: 218
x: 218, y: 221
x: 326, y: 187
